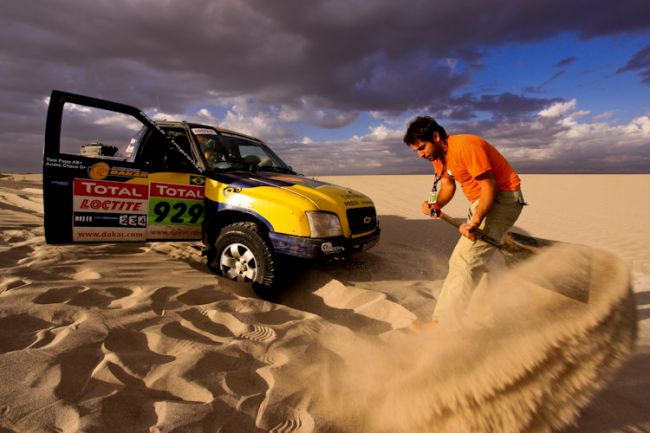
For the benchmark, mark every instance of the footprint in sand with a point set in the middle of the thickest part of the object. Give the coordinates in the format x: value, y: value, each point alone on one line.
x: 76, y: 368
x: 132, y: 350
x: 14, y: 255
x: 247, y: 384
x: 258, y: 332
x: 205, y: 295
x: 161, y: 300
x: 15, y: 236
x: 278, y: 317
x: 184, y: 332
x: 51, y: 336
x: 25, y: 331
x: 13, y: 283
x: 211, y: 368
x: 20, y: 331
x: 200, y: 322
x: 58, y: 295
x: 274, y: 359
x: 83, y: 296
x: 132, y: 407
x: 287, y: 426
x: 237, y: 327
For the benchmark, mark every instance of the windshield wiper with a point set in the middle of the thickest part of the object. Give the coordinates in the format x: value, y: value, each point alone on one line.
x: 276, y: 169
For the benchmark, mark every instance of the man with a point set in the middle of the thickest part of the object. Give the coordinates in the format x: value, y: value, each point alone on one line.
x: 491, y: 186
x: 212, y: 151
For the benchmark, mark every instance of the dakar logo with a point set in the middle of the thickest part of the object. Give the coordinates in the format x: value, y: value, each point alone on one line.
x: 99, y: 170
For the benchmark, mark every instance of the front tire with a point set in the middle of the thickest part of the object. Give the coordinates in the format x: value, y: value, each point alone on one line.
x: 242, y: 254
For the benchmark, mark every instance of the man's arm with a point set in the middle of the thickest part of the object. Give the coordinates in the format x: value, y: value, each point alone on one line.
x: 447, y: 190
x: 445, y: 194
x: 488, y: 193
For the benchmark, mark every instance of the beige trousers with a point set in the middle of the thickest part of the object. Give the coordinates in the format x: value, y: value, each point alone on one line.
x: 469, y: 259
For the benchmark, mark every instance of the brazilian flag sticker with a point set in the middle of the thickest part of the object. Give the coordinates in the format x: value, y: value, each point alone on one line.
x: 197, y: 180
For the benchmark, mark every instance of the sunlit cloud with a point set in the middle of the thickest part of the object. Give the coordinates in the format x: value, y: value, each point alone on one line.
x: 558, y: 136
x: 558, y: 109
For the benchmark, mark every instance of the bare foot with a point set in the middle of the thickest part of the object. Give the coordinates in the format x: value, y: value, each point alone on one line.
x: 422, y: 326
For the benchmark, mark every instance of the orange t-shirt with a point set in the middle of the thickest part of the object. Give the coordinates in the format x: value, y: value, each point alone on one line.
x: 469, y: 156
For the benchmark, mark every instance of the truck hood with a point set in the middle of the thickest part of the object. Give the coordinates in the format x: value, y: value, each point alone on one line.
x: 325, y: 196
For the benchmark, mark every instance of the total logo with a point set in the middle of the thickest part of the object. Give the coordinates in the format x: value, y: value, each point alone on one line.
x: 91, y: 188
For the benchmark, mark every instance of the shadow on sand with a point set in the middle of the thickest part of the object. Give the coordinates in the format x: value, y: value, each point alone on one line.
x: 411, y: 255
x: 630, y: 385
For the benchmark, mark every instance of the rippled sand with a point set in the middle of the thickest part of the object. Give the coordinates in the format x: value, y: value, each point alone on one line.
x: 140, y: 337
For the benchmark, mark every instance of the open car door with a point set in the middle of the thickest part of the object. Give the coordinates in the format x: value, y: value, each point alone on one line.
x: 111, y: 174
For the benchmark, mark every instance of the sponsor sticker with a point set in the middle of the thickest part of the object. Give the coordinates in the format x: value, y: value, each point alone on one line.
x: 100, y: 234
x: 197, y: 180
x: 172, y: 190
x: 128, y: 172
x: 88, y: 219
x: 99, y: 170
x: 119, y: 211
x: 96, y: 188
x: 174, y: 204
x: 352, y: 195
x: 328, y: 248
x: 109, y: 205
x: 61, y: 162
x: 109, y: 211
x: 357, y: 203
x: 174, y: 232
x: 203, y: 131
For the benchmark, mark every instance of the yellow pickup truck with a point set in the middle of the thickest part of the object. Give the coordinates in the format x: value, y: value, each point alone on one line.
x: 112, y: 174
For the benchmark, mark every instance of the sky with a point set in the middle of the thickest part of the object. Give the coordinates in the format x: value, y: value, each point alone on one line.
x: 331, y: 85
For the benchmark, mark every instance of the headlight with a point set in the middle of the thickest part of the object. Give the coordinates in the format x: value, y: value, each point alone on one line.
x: 324, y: 224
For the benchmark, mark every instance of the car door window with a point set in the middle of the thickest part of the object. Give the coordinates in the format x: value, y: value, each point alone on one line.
x: 157, y: 153
x: 96, y: 133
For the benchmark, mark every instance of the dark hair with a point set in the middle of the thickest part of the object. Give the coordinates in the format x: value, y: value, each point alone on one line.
x: 422, y: 128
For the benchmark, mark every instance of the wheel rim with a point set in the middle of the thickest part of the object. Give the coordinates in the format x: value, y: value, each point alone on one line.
x: 238, y: 263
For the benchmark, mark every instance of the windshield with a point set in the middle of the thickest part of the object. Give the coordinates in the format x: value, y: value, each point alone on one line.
x: 224, y: 151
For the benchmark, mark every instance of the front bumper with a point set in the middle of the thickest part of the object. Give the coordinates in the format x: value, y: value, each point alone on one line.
x: 317, y: 249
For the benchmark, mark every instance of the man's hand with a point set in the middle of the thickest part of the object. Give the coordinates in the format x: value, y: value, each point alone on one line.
x: 425, y: 207
x: 431, y: 209
x: 467, y: 231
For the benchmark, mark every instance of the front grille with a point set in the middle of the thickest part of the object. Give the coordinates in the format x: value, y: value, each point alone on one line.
x: 362, y: 220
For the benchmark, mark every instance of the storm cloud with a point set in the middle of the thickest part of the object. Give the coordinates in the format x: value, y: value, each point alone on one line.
x: 273, y: 65
x: 639, y: 62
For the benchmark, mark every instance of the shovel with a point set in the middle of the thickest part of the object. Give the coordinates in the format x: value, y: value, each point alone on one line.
x: 515, y: 246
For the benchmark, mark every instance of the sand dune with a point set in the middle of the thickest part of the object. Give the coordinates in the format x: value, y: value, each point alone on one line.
x: 140, y: 337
